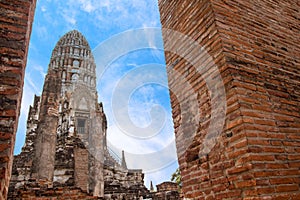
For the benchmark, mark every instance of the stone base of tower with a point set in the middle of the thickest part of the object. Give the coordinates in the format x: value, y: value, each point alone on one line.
x: 72, y: 183
x: 43, y: 189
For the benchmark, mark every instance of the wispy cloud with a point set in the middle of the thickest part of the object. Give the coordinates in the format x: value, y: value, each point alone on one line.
x: 31, y: 84
x: 87, y: 5
x: 43, y: 9
x: 34, y: 77
x: 40, y: 69
x: 146, y: 88
x: 30, y: 89
x: 69, y: 18
x: 114, y: 11
x: 42, y: 31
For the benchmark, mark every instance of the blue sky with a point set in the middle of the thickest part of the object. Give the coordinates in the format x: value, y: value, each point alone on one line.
x: 143, y: 127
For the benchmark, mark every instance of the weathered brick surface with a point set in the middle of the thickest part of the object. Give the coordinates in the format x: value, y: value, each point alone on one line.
x: 255, y: 45
x: 42, y: 192
x: 167, y: 186
x: 15, y: 27
x: 81, y: 168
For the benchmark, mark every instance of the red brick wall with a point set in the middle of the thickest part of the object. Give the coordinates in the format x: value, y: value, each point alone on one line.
x: 256, y: 46
x: 15, y: 27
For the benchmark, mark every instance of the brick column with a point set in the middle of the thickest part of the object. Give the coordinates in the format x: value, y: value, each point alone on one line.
x: 15, y: 28
x: 255, y: 46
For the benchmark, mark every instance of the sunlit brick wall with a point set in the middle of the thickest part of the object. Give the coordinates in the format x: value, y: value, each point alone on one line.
x: 256, y: 46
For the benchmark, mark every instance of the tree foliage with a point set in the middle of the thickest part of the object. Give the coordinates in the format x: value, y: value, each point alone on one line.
x: 176, y: 177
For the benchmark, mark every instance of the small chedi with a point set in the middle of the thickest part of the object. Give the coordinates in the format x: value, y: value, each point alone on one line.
x: 65, y: 152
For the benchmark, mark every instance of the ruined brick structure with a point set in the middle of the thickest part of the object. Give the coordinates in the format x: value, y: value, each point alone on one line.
x: 15, y: 28
x: 255, y: 45
x: 65, y: 148
x: 166, y: 191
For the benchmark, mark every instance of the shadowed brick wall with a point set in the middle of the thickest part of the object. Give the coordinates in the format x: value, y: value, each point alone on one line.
x: 256, y: 46
x: 15, y: 27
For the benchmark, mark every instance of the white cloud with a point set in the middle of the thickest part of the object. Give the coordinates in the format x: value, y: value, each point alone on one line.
x: 27, y: 98
x: 87, y: 5
x: 137, y: 13
x: 31, y: 85
x: 43, y: 9
x: 69, y: 18
x: 34, y: 75
x: 42, y: 31
x: 161, y: 175
x: 40, y: 69
x: 150, y: 155
x: 134, y: 143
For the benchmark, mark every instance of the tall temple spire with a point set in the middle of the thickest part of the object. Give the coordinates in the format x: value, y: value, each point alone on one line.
x: 66, y: 132
x: 123, y: 164
x: 70, y: 118
x: 151, y: 187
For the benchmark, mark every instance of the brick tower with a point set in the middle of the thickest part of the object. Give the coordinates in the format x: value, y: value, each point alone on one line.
x: 66, y: 133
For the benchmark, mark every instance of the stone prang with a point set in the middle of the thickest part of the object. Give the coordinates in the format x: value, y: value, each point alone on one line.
x: 65, y: 153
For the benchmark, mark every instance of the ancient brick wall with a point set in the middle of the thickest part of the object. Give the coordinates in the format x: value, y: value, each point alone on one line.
x: 255, y: 45
x: 167, y: 186
x: 45, y: 190
x: 16, y: 21
x: 166, y: 191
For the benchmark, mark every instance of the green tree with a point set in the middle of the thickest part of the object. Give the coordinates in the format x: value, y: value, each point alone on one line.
x: 176, y: 177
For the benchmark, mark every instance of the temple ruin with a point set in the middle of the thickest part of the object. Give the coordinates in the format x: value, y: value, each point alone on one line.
x: 66, y: 134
